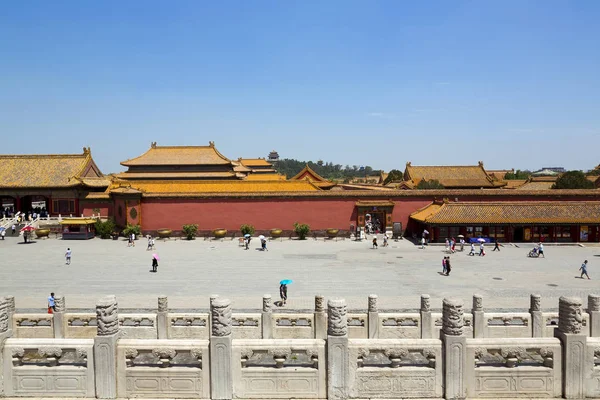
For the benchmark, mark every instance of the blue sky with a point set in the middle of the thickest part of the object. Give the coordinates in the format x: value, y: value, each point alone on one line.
x: 512, y: 83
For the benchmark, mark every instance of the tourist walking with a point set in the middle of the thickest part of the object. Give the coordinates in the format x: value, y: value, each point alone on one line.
x: 583, y: 270
x: 132, y: 239
x: 149, y: 243
x: 3, y: 233
x: 481, y: 250
x: 154, y: 263
x: 447, y: 245
x: 263, y: 244
x: 496, y: 245
x: 51, y: 304
x: 462, y: 244
x: 423, y: 242
x: 283, y: 293
x: 375, y: 242
x: 444, y: 265
x: 448, y: 266
x: 247, y: 242
x: 472, y: 252
x: 385, y: 240
x: 541, y: 250
x: 14, y: 228
x: 453, y: 245
x: 68, y: 256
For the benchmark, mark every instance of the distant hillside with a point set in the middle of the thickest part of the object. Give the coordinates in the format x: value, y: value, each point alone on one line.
x: 328, y: 170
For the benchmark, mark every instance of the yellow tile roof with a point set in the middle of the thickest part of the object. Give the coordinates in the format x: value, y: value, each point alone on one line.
x: 183, y: 188
x: 265, y: 177
x: 536, y: 186
x: 178, y: 175
x: 514, y: 183
x: 179, y: 155
x: 523, y: 212
x: 42, y: 171
x: 255, y: 162
x: 308, y: 173
x: 451, y: 176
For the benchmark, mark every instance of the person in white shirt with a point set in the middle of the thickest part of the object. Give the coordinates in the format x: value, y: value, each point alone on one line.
x: 541, y: 250
x: 68, y: 256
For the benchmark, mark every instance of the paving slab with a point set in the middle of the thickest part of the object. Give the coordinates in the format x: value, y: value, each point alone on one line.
x: 190, y: 271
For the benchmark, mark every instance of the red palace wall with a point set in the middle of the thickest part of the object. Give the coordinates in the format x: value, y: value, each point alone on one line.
x: 87, y: 208
x: 264, y: 214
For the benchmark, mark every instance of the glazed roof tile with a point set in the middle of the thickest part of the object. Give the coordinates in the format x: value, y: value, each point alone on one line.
x: 524, y: 212
x: 179, y: 155
x: 308, y: 173
x: 43, y: 171
x: 255, y: 162
x: 452, y: 176
x: 177, y: 175
x: 182, y: 188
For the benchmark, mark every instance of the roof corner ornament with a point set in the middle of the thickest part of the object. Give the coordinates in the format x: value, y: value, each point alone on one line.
x: 211, y: 143
x: 153, y: 145
x: 480, y: 163
x: 408, y: 164
x: 86, y: 150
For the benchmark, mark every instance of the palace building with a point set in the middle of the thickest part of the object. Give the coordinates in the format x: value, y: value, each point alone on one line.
x: 169, y: 186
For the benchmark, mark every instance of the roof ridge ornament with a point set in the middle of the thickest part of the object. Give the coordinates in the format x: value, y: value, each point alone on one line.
x: 86, y: 151
x: 211, y: 144
x: 153, y: 145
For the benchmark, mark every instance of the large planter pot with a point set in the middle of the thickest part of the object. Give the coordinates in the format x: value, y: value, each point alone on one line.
x: 219, y: 233
x: 164, y: 233
x: 331, y: 233
x: 276, y: 232
x: 40, y: 233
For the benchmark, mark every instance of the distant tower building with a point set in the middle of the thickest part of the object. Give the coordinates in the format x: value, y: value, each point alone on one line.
x: 273, y: 156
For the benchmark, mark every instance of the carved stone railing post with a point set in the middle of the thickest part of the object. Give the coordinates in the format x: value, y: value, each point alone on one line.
x: 59, y: 317
x: 162, y: 318
x: 594, y: 312
x: 537, y: 319
x: 426, y: 319
x: 5, y: 333
x: 221, y: 381
x: 373, y: 317
x: 570, y: 323
x: 320, y: 318
x: 266, y: 318
x: 11, y: 310
x: 337, y: 350
x: 105, y: 347
x: 479, y: 322
x: 455, y: 344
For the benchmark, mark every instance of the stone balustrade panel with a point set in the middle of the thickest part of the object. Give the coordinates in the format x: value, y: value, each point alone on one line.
x: 437, y: 324
x: 358, y: 325
x: 48, y: 368
x: 516, y: 367
x: 508, y: 325
x: 138, y: 326
x: 188, y: 326
x: 39, y: 326
x: 246, y: 325
x: 395, y: 368
x: 592, y: 385
x: 279, y: 369
x: 551, y: 323
x: 399, y: 326
x: 163, y: 369
x: 293, y: 326
x: 80, y: 325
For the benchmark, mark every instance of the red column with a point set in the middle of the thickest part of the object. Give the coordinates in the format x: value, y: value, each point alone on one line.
x: 18, y: 204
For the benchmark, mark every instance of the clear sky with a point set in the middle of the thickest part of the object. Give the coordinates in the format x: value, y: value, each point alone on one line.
x: 514, y: 83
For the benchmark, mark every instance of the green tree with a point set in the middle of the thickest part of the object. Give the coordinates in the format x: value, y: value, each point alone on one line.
x: 104, y: 229
x: 518, y: 174
x: 190, y: 231
x: 573, y: 180
x: 431, y: 184
x: 301, y: 230
x: 135, y: 229
x: 393, y: 175
x: 247, y: 229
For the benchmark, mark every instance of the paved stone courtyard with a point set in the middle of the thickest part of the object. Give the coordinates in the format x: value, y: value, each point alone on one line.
x: 190, y: 271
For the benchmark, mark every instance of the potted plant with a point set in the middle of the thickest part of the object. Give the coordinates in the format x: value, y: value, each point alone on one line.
x: 301, y: 230
x: 190, y: 231
x: 247, y: 230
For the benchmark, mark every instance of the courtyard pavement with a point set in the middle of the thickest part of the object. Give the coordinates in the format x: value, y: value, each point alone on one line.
x: 190, y: 271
